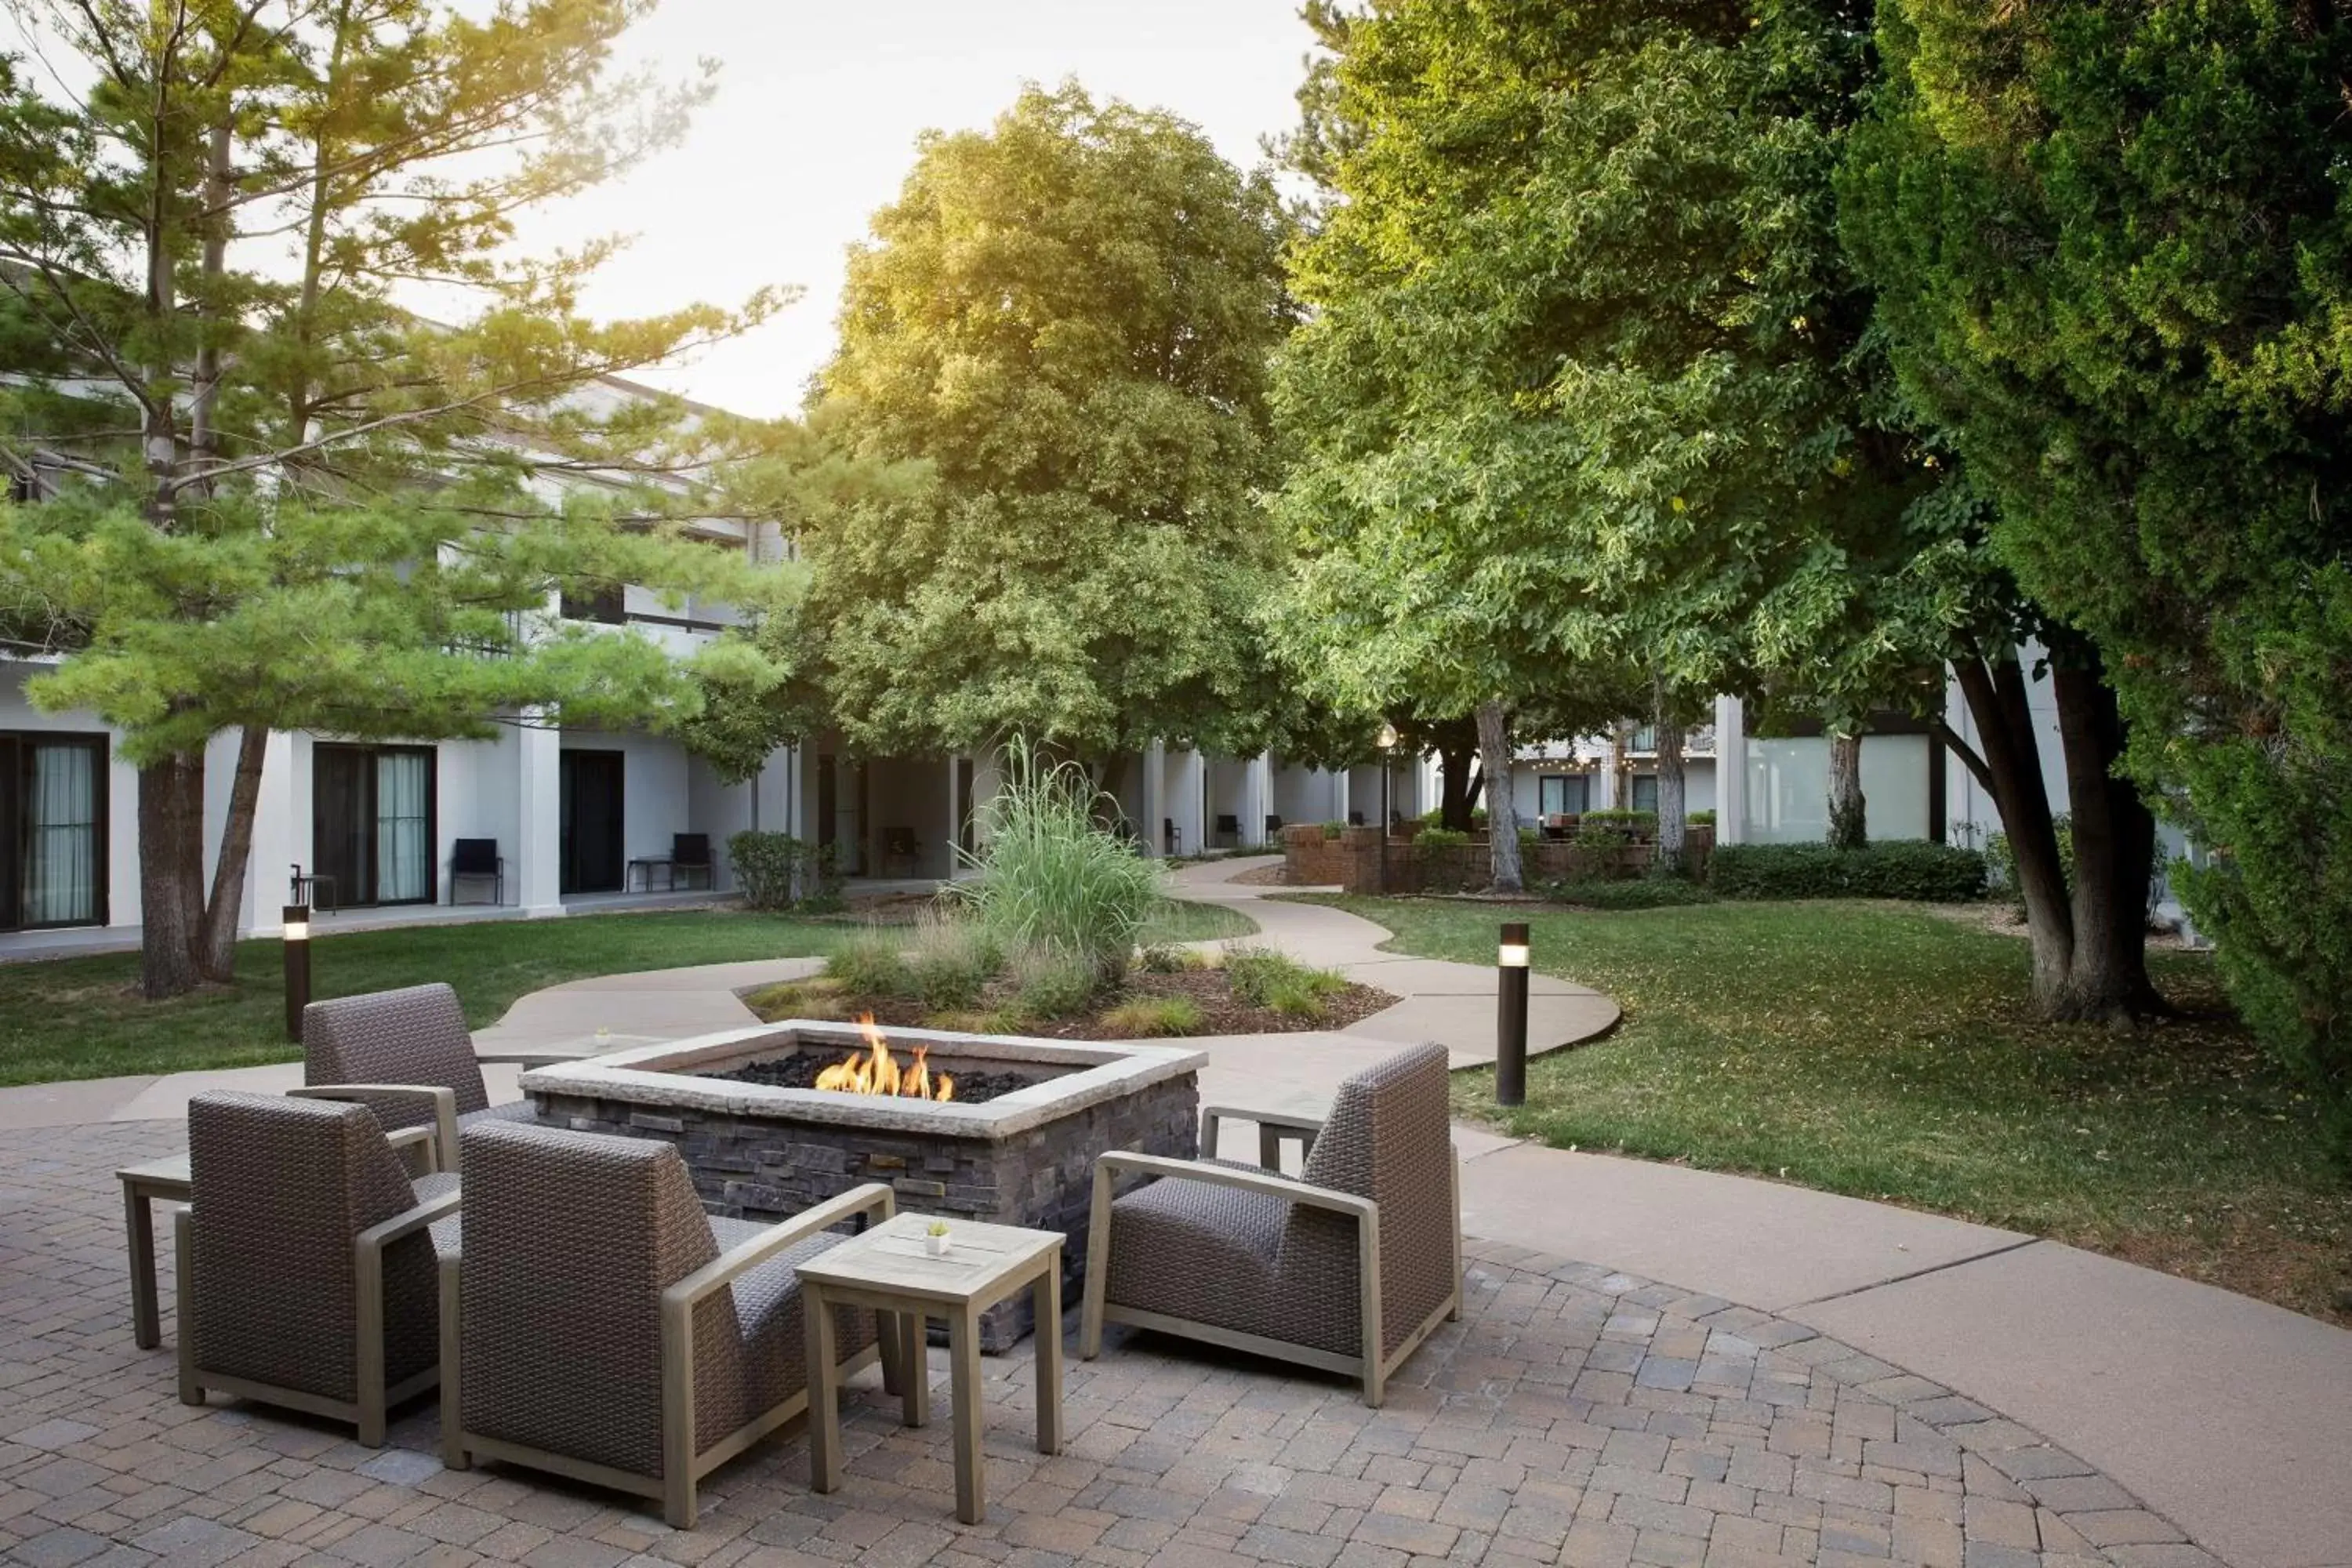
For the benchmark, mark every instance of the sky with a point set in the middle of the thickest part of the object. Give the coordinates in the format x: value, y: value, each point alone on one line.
x: 813, y: 127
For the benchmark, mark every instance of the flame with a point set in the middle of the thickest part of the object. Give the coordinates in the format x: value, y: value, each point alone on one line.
x: 875, y: 1071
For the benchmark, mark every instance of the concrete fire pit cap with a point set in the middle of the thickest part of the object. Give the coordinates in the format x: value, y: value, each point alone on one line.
x: 670, y: 1075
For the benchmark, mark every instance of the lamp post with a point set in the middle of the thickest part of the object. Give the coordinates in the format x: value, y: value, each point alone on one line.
x: 1387, y: 740
x: 296, y: 948
x: 1511, y: 1016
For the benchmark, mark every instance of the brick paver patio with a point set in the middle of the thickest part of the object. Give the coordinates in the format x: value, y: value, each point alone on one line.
x: 1574, y: 1415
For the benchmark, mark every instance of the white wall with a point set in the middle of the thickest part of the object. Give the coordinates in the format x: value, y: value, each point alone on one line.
x: 1308, y: 794
x: 1787, y: 792
x: 656, y: 801
x: 1229, y: 795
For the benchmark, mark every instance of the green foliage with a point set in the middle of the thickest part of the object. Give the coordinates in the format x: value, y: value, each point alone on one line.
x: 871, y: 961
x: 1441, y: 838
x: 951, y: 960
x: 1295, y: 998
x: 1627, y: 892
x: 2113, y: 251
x: 1892, y: 868
x: 1067, y: 319
x: 1643, y: 823
x: 1153, y: 1018
x: 778, y: 871
x: 1159, y: 958
x: 1259, y: 976
x: 1332, y: 830
x: 1700, y: 819
x: 1050, y: 982
x: 1051, y: 877
x: 2001, y: 857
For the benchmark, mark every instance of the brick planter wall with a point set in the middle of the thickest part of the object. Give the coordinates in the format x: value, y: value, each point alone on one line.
x: 1311, y: 861
x: 1416, y: 868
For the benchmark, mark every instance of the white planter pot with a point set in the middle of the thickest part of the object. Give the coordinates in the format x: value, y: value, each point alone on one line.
x: 937, y: 1245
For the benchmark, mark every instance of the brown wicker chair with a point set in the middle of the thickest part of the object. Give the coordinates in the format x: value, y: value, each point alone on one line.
x: 306, y: 1260
x: 1348, y: 1269
x: 598, y: 1325
x: 392, y: 1051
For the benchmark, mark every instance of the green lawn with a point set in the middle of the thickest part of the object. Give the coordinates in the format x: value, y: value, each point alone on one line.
x: 1883, y: 1051
x: 83, y: 1017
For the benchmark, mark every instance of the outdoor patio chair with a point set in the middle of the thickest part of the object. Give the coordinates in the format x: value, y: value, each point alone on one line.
x: 690, y: 853
x: 306, y: 1260
x: 478, y: 860
x: 1229, y: 830
x: 598, y: 1325
x: 1348, y: 1268
x: 407, y: 1056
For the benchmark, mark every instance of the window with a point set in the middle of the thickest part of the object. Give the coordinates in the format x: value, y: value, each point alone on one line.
x: 605, y: 604
x: 1559, y: 794
x: 1645, y: 792
x: 53, y: 855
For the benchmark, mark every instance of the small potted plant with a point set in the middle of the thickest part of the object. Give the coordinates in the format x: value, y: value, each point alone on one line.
x: 935, y: 1238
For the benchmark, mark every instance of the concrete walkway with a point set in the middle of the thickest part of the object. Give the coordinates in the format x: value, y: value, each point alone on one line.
x: 2230, y: 1416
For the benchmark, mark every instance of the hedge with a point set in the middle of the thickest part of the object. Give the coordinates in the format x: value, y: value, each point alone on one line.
x: 778, y: 871
x: 1897, y: 869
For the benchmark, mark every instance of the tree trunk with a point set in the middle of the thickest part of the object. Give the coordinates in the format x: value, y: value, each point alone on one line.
x: 217, y: 945
x: 1995, y: 692
x: 1455, y: 790
x: 1502, y: 822
x: 1108, y: 809
x: 171, y: 874
x: 2115, y: 848
x: 1849, y: 825
x: 1672, y: 799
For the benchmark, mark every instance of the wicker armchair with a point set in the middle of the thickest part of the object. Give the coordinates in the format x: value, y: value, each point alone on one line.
x: 598, y: 1325
x: 1348, y: 1269
x: 393, y: 1050
x: 306, y: 1260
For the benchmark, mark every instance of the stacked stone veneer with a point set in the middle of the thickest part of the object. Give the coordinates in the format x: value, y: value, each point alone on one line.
x: 769, y: 1167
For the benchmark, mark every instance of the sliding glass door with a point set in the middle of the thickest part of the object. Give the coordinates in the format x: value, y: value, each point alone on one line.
x: 372, y: 828
x: 52, y: 830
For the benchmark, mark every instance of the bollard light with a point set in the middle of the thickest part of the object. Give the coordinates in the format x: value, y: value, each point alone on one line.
x: 1511, y: 1016
x: 296, y: 921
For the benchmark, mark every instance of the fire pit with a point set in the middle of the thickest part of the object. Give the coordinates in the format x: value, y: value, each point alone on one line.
x: 992, y: 1127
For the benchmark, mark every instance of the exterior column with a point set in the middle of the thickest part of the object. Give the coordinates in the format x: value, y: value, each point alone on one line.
x: 538, y: 786
x: 276, y: 846
x: 1257, y: 796
x: 1730, y: 770
x: 1155, y: 800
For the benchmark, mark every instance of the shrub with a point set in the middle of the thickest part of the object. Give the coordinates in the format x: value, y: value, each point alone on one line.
x: 1147, y: 1018
x: 1048, y: 982
x: 1159, y: 958
x: 870, y: 965
x: 778, y: 871
x: 1627, y: 893
x: 1894, y: 868
x: 951, y: 961
x: 1442, y: 838
x: 1294, y: 999
x: 1258, y: 973
x: 1052, y: 876
x: 1333, y: 829
x: 1700, y: 818
x: 797, y: 999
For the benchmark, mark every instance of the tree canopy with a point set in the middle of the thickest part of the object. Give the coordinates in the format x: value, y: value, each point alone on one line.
x: 1065, y: 321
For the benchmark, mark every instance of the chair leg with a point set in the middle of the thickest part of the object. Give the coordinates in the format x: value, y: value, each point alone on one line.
x: 1090, y: 1313
x: 453, y: 1424
x: 184, y: 1272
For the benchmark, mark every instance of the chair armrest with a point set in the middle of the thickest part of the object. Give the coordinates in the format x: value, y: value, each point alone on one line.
x: 872, y: 1198
x: 1273, y: 1127
x: 445, y: 1107
x: 1271, y: 1184
x: 409, y: 1221
x: 428, y: 1139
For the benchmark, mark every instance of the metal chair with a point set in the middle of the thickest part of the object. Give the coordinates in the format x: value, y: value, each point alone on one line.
x: 1347, y: 1268
x: 478, y: 860
x: 690, y: 853
x: 306, y: 1260
x: 598, y: 1325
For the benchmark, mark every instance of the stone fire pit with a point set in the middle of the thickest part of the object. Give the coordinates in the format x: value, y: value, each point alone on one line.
x: 1024, y: 1157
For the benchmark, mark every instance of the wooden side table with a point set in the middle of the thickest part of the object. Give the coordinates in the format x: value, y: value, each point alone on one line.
x: 143, y: 1187
x: 890, y: 1269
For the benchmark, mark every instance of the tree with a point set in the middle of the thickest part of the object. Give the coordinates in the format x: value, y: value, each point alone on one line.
x: 335, y: 515
x: 2112, y: 247
x: 1067, y: 319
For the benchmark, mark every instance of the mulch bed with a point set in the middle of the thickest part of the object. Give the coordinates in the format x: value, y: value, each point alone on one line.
x: 1220, y: 1012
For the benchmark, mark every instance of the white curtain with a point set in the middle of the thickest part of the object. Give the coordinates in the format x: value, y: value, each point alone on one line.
x: 61, y: 823
x: 404, y: 860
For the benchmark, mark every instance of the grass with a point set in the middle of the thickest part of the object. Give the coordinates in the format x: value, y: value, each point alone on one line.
x: 1148, y: 1017
x: 83, y: 1017
x: 1886, y: 1052
x: 1178, y: 919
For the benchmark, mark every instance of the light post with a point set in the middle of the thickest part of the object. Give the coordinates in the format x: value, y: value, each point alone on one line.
x: 296, y: 918
x: 1387, y: 742
x: 1511, y: 1018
